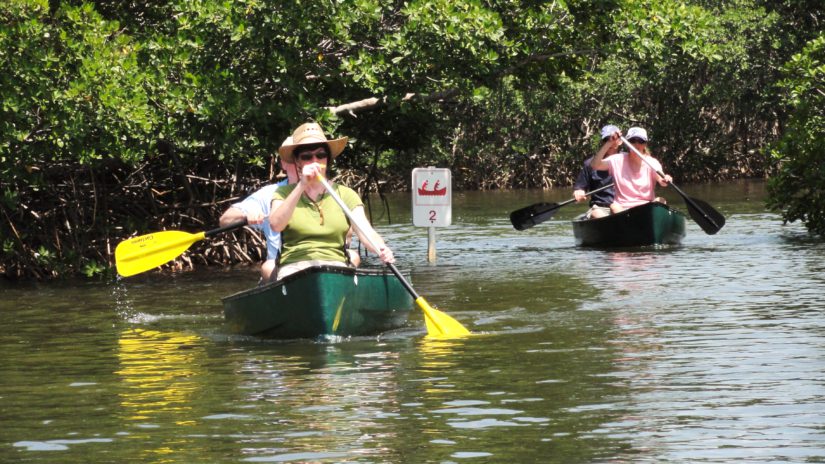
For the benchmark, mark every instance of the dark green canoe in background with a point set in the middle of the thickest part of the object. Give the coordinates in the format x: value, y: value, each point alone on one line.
x: 321, y: 301
x: 648, y: 224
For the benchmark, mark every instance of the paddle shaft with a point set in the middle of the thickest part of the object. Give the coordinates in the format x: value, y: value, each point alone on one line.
x: 537, y: 213
x: 573, y: 200
x: 226, y: 228
x: 604, y: 187
x: 683, y: 194
x: 439, y: 325
x: 359, y: 225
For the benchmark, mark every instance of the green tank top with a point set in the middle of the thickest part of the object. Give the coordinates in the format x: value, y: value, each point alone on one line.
x: 316, y: 231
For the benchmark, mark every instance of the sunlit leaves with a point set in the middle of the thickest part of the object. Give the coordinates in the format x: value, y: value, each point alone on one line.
x: 79, y: 92
x: 798, y: 189
x: 182, y: 85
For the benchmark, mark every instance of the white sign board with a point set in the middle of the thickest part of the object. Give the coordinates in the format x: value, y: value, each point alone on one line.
x: 432, y: 197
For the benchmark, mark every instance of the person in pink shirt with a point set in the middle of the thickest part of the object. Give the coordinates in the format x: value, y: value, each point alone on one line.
x: 635, y: 180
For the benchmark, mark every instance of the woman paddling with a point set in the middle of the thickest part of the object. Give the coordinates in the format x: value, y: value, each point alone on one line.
x: 313, y: 227
x: 635, y: 180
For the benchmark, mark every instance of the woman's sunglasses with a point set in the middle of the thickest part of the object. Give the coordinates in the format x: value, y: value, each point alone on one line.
x: 308, y: 155
x: 637, y: 140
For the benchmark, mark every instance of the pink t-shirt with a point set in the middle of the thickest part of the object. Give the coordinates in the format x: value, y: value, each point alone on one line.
x: 633, y: 187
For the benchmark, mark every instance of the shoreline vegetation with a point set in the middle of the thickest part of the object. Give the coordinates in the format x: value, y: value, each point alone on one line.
x: 120, y: 119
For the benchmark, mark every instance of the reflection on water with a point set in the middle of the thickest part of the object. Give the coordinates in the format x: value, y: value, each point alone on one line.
x: 324, y: 401
x: 159, y: 373
x: 711, y: 351
x: 438, y: 354
x: 436, y: 357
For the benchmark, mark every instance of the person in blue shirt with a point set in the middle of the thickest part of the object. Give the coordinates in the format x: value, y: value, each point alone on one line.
x: 590, y: 179
x: 255, y: 209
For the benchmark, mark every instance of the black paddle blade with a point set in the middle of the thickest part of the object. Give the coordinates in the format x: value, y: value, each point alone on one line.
x: 528, y: 217
x: 710, y: 220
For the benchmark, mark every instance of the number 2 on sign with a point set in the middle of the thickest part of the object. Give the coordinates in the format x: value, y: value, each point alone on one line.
x: 432, y: 216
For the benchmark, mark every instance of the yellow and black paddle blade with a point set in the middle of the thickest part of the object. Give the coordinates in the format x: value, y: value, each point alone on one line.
x: 439, y: 324
x: 149, y: 251
x: 139, y: 254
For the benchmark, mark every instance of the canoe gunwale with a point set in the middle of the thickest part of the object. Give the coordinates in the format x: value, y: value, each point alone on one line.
x: 349, y: 271
x: 653, y: 204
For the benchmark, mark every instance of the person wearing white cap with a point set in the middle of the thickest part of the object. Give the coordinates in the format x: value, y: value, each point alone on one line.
x: 313, y: 226
x: 255, y: 209
x: 590, y: 179
x: 635, y: 180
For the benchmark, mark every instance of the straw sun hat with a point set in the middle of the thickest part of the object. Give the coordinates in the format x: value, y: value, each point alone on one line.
x: 310, y: 134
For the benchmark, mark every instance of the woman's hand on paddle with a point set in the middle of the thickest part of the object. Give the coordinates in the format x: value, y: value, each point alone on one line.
x: 667, y: 179
x: 579, y: 195
x: 385, y: 253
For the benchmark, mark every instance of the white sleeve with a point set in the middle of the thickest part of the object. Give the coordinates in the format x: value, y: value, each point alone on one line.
x: 258, y: 202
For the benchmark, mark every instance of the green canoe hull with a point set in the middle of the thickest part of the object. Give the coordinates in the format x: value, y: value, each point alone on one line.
x: 321, y: 301
x: 648, y: 224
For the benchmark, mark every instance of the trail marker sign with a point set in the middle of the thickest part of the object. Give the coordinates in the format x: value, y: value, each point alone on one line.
x: 432, y: 197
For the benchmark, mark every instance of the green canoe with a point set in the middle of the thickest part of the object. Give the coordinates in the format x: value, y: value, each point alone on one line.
x: 648, y: 224
x: 320, y: 301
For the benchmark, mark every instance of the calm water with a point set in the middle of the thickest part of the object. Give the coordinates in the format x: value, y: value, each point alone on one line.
x: 713, y: 351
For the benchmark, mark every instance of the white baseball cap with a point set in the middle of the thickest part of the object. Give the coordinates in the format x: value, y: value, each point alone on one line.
x: 637, y: 133
x: 609, y: 130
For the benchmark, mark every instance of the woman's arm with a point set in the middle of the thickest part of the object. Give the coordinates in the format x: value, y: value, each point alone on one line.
x: 281, y: 210
x: 598, y: 162
x: 232, y: 215
x: 370, y: 238
x: 657, y: 168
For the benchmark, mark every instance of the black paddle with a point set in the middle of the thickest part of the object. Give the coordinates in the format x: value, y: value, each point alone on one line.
x: 526, y: 218
x: 710, y: 220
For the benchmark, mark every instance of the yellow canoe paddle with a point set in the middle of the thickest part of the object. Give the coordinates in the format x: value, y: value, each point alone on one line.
x: 139, y: 254
x: 439, y: 324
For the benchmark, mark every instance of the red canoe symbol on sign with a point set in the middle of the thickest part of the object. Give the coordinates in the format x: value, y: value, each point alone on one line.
x: 434, y: 192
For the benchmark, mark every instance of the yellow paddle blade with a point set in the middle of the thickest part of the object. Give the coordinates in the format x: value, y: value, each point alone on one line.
x: 146, y: 252
x: 439, y: 324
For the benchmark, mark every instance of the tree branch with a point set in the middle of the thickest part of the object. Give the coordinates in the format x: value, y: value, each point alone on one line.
x: 375, y: 102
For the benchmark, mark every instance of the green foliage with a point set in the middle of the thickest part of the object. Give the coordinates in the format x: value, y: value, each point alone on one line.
x: 438, y: 41
x: 44, y: 255
x: 697, y: 76
x: 700, y: 79
x: 122, y: 117
x: 798, y: 189
x: 94, y: 269
x: 74, y: 90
